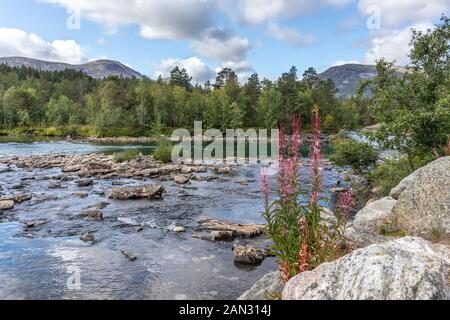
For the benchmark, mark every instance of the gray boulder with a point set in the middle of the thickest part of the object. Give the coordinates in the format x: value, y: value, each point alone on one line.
x: 271, y: 283
x: 405, y: 183
x: 372, y: 217
x: 405, y: 269
x: 138, y: 192
x: 424, y: 205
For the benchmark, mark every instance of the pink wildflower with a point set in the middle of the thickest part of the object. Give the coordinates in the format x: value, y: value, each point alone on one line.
x: 316, y: 176
x: 345, y: 203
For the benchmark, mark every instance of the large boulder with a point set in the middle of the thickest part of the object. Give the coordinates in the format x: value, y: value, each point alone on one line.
x: 405, y: 183
x: 138, y: 192
x: 424, y: 205
x: 270, y: 284
x: 372, y: 217
x: 361, y: 238
x: 404, y: 269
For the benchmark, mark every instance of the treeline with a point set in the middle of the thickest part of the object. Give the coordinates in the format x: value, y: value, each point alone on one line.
x: 32, y: 99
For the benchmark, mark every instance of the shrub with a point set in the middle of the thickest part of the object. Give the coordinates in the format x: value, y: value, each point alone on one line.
x: 163, y: 152
x: 127, y: 155
x: 360, y: 156
x: 389, y: 174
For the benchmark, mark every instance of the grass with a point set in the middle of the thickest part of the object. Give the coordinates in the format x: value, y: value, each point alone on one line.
x: 163, y: 152
x: 389, y: 174
x: 126, y: 156
x: 390, y: 229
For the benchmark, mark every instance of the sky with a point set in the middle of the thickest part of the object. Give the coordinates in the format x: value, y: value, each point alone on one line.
x: 204, y: 36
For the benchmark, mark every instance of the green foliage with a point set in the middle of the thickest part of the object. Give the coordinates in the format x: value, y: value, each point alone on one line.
x: 389, y: 174
x: 360, y: 156
x: 163, y: 152
x: 414, y: 108
x: 127, y: 155
x: 120, y: 106
x: 390, y: 229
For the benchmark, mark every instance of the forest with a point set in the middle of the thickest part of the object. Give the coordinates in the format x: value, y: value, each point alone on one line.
x: 72, y: 102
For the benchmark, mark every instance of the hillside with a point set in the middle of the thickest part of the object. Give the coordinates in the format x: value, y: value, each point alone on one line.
x: 348, y: 77
x: 96, y: 69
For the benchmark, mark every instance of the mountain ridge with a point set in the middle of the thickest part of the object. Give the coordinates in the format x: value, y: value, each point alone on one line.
x: 102, y: 68
x: 346, y: 77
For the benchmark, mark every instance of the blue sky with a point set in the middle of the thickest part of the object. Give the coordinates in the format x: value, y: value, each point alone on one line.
x: 266, y: 36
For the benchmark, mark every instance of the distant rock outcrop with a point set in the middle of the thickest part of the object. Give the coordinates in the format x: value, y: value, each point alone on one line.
x: 348, y: 77
x: 96, y: 69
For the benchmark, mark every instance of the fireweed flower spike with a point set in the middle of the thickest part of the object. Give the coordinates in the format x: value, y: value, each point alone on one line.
x: 301, y: 242
x: 316, y: 179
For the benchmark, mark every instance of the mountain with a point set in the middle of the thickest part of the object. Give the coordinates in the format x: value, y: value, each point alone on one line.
x: 348, y: 77
x: 96, y: 69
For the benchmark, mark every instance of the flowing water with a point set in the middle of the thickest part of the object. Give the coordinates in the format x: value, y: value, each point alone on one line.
x: 42, y: 264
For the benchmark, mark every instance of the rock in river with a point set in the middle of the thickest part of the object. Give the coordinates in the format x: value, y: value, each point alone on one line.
x: 404, y: 269
x: 138, y: 192
x: 87, y: 237
x: 94, y: 214
x: 220, y: 230
x: 129, y: 256
x: 249, y: 255
x: 179, y: 229
x: 6, y: 205
x: 84, y: 182
x: 181, y: 179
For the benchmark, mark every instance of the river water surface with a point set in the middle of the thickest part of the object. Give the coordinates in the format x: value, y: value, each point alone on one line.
x: 39, y: 264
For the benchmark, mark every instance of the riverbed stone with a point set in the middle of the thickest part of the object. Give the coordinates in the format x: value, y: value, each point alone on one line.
x: 270, y: 284
x: 225, y: 170
x: 94, y: 214
x: 87, y: 237
x: 249, y: 255
x: 138, y: 192
x: 6, y: 205
x: 81, y: 195
x: 130, y: 256
x: 84, y: 182
x: 424, y: 206
x: 181, y: 179
x: 404, y: 269
x: 179, y: 229
x: 221, y: 230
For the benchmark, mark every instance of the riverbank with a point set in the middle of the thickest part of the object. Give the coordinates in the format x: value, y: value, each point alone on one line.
x: 116, y: 135
x: 402, y: 249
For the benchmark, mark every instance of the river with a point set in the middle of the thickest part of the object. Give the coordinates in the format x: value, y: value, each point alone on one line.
x: 168, y: 265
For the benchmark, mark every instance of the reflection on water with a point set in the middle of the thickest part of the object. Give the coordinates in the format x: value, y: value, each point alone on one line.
x: 34, y: 263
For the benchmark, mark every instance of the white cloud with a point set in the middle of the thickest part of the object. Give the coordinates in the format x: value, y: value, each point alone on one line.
x: 290, y: 35
x: 261, y: 11
x: 394, y: 46
x: 16, y: 42
x: 198, y: 70
x: 221, y: 45
x: 157, y: 19
x: 395, y: 13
